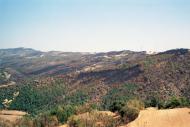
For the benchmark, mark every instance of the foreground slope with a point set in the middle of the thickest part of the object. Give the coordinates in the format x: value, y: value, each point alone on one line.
x: 151, y: 117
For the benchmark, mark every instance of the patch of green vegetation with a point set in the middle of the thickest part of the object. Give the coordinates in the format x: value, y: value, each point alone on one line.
x: 87, y: 107
x: 165, y: 56
x: 33, y: 98
x: 6, y: 93
x: 154, y: 101
x: 76, y: 98
x: 36, y: 99
x: 127, y: 65
x: 131, y: 109
x: 149, y: 61
x: 175, y: 102
x: 63, y: 112
x: 119, y: 95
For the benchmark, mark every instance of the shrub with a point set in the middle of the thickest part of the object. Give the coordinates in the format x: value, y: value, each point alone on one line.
x: 77, y: 98
x: 85, y: 108
x: 46, y: 120
x: 175, y: 102
x: 92, y: 119
x: 43, y: 120
x: 185, y: 102
x: 154, y: 102
x: 119, y: 94
x: 117, y: 106
x: 74, y: 121
x: 25, y: 122
x: 63, y: 112
x: 131, y: 110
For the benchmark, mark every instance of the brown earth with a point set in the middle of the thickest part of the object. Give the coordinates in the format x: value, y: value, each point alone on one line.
x: 151, y: 117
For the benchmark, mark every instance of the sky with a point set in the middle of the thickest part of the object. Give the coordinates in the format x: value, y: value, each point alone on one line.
x: 95, y: 25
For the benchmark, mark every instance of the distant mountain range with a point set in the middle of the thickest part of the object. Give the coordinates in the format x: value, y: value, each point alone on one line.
x: 31, y: 62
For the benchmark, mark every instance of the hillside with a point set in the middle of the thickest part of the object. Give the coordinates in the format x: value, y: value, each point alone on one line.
x: 60, y: 81
x: 163, y: 74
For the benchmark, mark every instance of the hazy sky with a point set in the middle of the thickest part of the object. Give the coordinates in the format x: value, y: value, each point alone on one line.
x: 95, y: 25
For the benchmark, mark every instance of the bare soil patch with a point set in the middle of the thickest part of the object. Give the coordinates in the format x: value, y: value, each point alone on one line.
x: 151, y: 117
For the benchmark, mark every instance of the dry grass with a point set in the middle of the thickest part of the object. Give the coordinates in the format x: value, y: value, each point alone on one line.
x: 8, y: 118
x: 11, y: 115
x: 94, y: 119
